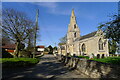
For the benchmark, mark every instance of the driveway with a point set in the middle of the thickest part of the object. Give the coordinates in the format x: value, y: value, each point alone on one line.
x: 48, y: 67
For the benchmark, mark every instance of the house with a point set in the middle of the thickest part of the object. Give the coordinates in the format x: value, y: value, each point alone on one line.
x: 9, y: 48
x: 40, y: 49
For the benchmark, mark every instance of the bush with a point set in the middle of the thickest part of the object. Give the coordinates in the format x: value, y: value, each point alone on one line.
x: 18, y: 62
x: 6, y: 54
x: 50, y: 53
x: 25, y: 53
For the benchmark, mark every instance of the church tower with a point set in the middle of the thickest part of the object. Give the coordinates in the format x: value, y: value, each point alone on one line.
x: 73, y: 29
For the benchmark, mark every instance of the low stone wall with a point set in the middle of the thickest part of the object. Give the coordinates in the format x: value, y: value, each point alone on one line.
x: 92, y: 68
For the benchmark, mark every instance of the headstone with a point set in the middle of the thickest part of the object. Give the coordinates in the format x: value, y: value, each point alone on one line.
x: 92, y: 56
x: 74, y: 55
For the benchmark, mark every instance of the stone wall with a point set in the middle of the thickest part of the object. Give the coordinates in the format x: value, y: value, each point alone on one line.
x: 92, y: 68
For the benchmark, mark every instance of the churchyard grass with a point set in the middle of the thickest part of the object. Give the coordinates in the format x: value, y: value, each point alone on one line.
x: 112, y: 60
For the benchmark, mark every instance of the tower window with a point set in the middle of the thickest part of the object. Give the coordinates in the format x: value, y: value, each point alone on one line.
x: 75, y: 34
x: 74, y: 26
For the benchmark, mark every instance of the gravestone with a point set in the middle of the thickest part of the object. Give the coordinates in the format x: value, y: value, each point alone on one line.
x: 92, y: 56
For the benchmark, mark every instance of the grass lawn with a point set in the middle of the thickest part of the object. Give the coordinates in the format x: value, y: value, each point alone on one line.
x: 112, y: 60
x: 18, y: 62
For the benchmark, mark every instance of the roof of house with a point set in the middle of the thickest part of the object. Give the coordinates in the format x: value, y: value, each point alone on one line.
x: 9, y: 46
x: 11, y: 51
x: 40, y: 46
x: 86, y: 36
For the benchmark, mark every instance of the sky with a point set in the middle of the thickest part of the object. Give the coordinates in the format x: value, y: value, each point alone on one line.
x: 54, y: 17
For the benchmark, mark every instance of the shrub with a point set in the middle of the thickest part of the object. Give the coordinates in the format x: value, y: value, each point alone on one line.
x: 18, y: 62
x: 25, y: 53
x: 83, y: 57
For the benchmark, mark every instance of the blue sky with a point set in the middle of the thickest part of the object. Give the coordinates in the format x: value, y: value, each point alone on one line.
x: 54, y: 17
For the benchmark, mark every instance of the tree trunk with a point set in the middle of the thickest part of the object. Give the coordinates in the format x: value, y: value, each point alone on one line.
x: 17, y: 49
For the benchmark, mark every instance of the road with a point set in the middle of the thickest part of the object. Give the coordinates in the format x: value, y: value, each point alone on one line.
x: 48, y: 67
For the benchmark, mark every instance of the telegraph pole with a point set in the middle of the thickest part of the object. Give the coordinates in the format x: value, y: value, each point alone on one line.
x: 35, y: 35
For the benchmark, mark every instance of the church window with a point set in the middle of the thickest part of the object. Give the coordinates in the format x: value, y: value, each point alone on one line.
x: 100, y: 43
x: 83, y: 48
x: 98, y: 56
x: 75, y: 34
x: 74, y: 26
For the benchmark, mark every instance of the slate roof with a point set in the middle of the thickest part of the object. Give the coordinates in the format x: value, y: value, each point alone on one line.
x: 86, y: 36
x: 11, y: 46
x: 40, y: 46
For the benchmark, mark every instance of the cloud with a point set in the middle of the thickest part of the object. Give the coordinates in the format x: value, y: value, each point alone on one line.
x: 46, y: 4
x: 53, y: 8
x: 60, y: 12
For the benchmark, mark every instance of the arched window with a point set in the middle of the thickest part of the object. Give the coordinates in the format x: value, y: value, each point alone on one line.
x: 75, y: 34
x: 100, y: 43
x: 83, y: 48
x: 74, y: 26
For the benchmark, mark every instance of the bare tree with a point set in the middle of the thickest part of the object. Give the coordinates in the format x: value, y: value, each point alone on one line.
x: 16, y: 26
x: 30, y: 40
x: 63, y: 40
x: 5, y: 39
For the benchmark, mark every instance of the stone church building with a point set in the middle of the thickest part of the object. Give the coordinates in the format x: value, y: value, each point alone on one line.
x: 91, y: 44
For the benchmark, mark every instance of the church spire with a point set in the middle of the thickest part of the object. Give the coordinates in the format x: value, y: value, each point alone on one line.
x: 73, y: 14
x: 73, y: 29
x: 73, y: 17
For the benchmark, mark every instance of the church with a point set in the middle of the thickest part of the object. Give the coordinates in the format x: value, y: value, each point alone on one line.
x: 91, y: 44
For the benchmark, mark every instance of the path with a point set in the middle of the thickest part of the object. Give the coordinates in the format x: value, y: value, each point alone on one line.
x: 48, y: 67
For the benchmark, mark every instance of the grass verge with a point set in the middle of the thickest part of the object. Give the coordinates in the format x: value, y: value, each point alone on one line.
x: 18, y: 62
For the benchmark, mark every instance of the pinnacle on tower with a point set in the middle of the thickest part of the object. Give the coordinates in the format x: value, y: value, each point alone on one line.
x: 73, y: 17
x: 73, y: 14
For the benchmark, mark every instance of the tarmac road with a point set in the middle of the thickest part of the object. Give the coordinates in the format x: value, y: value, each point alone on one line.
x: 48, y: 67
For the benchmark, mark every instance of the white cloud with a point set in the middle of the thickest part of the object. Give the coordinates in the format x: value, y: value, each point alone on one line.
x: 46, y: 4
x: 60, y: 12
x: 53, y: 8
